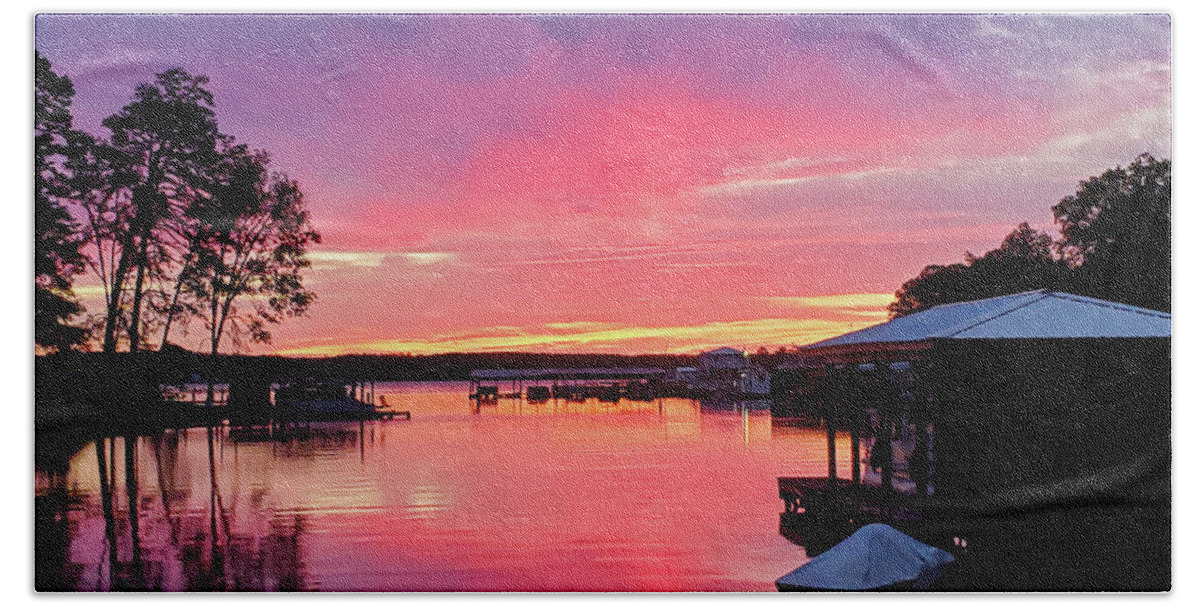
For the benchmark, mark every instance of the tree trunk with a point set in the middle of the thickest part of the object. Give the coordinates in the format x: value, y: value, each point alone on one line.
x: 110, y: 323
x: 135, y: 315
x: 171, y: 308
x: 215, y: 341
x: 150, y: 206
x: 114, y: 303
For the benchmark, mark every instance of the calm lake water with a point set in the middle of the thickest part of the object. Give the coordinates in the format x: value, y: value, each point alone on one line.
x: 658, y: 496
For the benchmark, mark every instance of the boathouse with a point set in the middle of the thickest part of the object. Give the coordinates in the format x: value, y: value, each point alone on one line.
x: 723, y: 358
x: 728, y: 370
x: 1037, y: 422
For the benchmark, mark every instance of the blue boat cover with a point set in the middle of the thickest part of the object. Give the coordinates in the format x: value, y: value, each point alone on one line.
x: 875, y: 556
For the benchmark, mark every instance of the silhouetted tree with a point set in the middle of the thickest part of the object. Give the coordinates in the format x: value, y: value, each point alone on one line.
x: 56, y: 255
x: 251, y: 245
x: 1024, y: 261
x: 175, y: 214
x: 1116, y: 232
x: 1115, y: 245
x: 166, y: 142
x: 934, y: 285
x: 100, y: 190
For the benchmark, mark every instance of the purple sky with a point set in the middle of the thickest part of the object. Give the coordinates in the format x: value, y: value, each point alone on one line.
x: 644, y: 183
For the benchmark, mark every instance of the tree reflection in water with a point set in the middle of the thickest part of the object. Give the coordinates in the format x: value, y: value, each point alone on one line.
x: 156, y: 538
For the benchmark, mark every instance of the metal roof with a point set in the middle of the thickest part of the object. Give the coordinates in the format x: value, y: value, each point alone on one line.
x: 1033, y: 314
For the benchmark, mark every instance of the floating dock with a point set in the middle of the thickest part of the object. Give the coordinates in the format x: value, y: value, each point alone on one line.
x: 573, y: 384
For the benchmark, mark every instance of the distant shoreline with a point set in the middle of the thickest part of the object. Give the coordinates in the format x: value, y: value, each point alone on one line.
x: 181, y: 364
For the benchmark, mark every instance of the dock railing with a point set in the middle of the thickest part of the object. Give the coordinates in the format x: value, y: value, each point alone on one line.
x: 819, y: 513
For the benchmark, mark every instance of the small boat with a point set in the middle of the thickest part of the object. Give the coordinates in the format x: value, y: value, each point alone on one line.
x: 877, y: 557
x: 320, y: 401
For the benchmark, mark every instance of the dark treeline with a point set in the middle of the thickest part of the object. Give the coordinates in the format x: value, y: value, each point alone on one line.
x: 457, y: 366
x: 1114, y: 244
x: 175, y: 365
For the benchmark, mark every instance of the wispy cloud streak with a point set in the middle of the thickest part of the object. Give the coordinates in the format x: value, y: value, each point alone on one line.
x: 601, y: 337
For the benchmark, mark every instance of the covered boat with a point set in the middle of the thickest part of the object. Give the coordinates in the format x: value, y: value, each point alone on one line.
x: 877, y: 557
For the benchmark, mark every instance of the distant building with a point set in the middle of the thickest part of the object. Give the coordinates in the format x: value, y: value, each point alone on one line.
x: 727, y: 370
x: 723, y: 358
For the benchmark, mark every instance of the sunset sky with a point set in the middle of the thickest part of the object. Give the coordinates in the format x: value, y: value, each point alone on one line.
x: 636, y: 184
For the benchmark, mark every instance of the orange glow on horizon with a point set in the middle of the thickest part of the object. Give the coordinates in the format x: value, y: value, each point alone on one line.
x: 587, y: 337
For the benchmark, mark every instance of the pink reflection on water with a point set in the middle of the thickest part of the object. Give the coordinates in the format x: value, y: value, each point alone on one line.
x: 653, y: 496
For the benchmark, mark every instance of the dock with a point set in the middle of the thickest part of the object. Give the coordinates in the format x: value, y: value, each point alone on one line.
x: 573, y: 384
x: 252, y: 402
x: 818, y: 513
